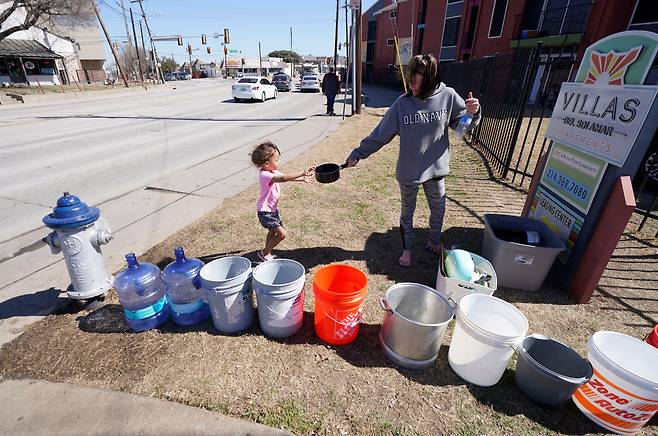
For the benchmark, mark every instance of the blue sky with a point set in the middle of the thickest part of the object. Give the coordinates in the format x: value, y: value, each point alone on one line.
x: 250, y: 22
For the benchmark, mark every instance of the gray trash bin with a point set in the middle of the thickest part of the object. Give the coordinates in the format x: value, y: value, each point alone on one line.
x: 519, y: 265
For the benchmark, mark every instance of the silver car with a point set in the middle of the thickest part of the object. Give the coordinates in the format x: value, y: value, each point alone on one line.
x: 310, y: 82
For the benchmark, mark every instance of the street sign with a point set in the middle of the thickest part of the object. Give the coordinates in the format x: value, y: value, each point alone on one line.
x: 166, y: 38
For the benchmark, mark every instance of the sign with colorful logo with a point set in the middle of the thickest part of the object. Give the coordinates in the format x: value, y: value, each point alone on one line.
x: 573, y: 175
x: 558, y: 217
x: 602, y: 120
x: 595, y: 121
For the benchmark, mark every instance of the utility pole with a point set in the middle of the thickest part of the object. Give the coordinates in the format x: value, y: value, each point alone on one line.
x: 292, y: 60
x: 260, y: 61
x: 158, y: 70
x: 336, y: 36
x: 347, y: 61
x: 128, y: 36
x: 139, y: 59
x: 114, y: 53
x: 357, y: 57
x: 150, y: 65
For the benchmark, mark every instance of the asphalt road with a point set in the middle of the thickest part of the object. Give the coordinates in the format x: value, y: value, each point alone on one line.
x: 152, y: 161
x: 102, y: 149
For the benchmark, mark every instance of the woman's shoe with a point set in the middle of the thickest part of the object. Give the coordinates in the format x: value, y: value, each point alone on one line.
x: 405, y: 259
x: 434, y: 248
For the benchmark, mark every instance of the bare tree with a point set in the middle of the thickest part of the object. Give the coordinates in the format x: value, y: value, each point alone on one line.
x: 42, y: 13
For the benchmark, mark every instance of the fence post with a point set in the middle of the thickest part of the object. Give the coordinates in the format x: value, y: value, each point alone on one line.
x: 532, y: 71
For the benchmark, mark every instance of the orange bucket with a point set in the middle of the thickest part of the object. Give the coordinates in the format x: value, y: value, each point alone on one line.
x: 339, y: 292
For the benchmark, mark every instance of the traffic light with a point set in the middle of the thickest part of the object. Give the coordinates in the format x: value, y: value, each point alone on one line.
x: 208, y: 49
x: 225, y: 50
x: 227, y: 38
x: 203, y: 38
x: 339, y: 46
x: 242, y: 61
x: 189, y: 48
x: 180, y: 40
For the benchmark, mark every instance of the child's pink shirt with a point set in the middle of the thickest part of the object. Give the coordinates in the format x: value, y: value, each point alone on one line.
x: 269, y: 192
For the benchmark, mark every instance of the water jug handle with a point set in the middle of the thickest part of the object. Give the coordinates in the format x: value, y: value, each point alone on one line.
x: 384, y: 304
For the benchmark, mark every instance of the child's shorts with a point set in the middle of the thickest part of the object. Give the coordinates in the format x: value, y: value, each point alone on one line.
x: 270, y: 220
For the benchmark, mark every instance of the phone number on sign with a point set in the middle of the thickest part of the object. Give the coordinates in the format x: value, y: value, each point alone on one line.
x: 568, y: 185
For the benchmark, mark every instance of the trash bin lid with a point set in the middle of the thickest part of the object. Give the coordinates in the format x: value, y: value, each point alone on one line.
x: 70, y: 212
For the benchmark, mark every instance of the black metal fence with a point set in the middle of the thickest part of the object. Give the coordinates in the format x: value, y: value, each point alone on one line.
x: 517, y: 91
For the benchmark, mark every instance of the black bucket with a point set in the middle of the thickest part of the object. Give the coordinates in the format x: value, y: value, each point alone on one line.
x: 548, y: 371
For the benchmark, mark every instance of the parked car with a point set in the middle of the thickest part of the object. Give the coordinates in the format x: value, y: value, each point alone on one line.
x: 310, y: 83
x: 253, y: 88
x: 171, y: 76
x: 282, y: 81
x: 184, y: 75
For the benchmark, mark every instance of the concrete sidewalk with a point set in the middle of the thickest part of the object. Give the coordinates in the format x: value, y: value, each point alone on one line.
x: 33, y: 407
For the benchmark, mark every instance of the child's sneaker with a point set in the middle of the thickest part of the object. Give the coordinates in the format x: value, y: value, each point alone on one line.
x: 264, y: 258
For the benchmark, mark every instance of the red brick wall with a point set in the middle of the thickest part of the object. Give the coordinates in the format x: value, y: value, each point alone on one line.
x: 607, y: 17
x: 434, y: 21
x: 485, y: 46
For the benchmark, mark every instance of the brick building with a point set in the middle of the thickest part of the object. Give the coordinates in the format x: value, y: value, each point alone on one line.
x: 458, y: 30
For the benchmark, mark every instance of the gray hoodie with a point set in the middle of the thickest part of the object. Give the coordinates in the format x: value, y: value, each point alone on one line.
x: 423, y: 129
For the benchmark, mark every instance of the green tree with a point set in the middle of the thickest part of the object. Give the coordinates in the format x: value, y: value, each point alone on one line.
x: 287, y: 55
x: 168, y: 65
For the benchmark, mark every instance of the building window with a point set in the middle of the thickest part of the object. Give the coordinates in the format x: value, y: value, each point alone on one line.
x: 497, y: 19
x: 393, y: 14
x: 450, y: 32
x: 372, y: 30
x: 390, y: 42
x: 645, y: 12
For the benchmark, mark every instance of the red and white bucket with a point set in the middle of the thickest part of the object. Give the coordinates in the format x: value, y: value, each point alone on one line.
x: 622, y: 395
x: 652, y: 338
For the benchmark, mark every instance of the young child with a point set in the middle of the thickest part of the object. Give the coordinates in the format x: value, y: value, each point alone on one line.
x: 266, y: 157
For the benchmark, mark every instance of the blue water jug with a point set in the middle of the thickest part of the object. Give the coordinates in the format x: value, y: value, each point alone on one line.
x: 141, y: 292
x: 184, y: 291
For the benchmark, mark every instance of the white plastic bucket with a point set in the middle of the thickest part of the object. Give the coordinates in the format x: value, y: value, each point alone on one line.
x: 483, y: 342
x: 279, y: 287
x: 227, y: 289
x: 622, y: 395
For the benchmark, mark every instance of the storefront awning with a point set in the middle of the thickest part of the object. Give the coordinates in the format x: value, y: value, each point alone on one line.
x: 25, y: 48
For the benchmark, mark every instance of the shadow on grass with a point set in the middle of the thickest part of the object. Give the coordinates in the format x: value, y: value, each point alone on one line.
x: 506, y: 398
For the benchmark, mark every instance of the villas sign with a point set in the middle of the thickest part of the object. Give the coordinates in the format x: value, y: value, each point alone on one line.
x: 601, y: 120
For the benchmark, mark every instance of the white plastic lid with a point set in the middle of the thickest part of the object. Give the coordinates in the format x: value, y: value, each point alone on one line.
x: 627, y: 354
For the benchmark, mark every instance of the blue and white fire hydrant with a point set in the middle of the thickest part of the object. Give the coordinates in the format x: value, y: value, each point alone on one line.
x: 79, y: 233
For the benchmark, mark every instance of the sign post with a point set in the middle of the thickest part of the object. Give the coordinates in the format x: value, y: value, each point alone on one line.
x: 601, y: 128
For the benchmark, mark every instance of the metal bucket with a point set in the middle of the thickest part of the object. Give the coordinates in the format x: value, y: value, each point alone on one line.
x: 414, y: 324
x: 548, y: 371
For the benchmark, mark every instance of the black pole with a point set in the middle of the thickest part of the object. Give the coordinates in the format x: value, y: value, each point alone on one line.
x: 357, y: 58
x: 336, y: 36
x: 141, y: 33
x: 139, y: 59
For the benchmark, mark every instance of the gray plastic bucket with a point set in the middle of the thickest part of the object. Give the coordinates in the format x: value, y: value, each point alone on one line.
x: 279, y: 287
x: 227, y: 289
x: 548, y: 371
x: 416, y: 319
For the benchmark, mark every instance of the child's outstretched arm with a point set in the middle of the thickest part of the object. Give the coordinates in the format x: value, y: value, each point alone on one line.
x: 304, y: 176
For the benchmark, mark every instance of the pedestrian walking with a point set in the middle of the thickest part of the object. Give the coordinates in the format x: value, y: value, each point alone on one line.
x: 330, y: 87
x: 421, y: 118
x: 266, y: 157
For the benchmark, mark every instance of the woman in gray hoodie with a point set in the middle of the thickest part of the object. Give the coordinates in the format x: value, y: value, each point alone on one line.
x: 421, y: 118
